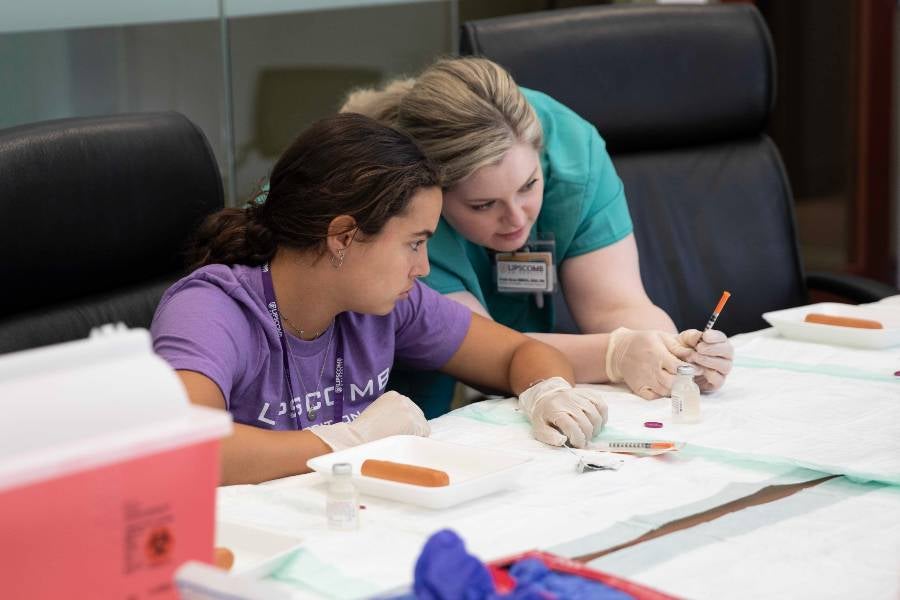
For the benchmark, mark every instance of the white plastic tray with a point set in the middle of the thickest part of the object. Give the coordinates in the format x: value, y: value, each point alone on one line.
x: 257, y: 552
x: 474, y: 472
x: 790, y: 324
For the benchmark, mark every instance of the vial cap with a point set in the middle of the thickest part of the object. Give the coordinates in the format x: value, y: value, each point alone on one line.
x: 686, y: 370
x: 342, y: 469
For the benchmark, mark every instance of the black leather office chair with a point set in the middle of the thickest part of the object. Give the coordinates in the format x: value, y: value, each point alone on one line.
x: 95, y: 216
x: 681, y: 94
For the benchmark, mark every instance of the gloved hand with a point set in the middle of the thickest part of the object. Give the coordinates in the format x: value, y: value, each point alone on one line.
x: 710, y: 351
x: 645, y: 360
x: 558, y: 412
x: 390, y: 414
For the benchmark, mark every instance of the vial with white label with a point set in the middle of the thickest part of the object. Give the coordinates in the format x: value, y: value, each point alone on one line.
x: 342, y: 506
x: 685, y: 396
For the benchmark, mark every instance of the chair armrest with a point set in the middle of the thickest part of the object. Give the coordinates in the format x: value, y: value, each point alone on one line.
x: 853, y: 287
x: 133, y: 306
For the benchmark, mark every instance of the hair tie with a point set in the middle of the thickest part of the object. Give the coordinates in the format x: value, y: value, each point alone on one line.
x: 260, y: 198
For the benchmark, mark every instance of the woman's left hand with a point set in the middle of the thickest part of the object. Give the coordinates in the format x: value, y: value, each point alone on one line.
x: 560, y: 413
x: 710, y: 351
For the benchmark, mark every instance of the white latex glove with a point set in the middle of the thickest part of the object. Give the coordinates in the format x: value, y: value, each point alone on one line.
x: 710, y: 351
x: 559, y: 412
x: 644, y: 360
x: 390, y: 414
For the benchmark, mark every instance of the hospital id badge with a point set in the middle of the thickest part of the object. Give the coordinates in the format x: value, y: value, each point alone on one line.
x: 529, y: 270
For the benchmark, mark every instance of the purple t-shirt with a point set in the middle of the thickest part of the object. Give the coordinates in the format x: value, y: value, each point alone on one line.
x: 215, y: 322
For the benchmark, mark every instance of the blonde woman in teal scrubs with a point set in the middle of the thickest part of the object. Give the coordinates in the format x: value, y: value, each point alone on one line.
x: 521, y: 170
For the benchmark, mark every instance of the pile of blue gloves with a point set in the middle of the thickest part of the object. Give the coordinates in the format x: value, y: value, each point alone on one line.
x: 445, y: 571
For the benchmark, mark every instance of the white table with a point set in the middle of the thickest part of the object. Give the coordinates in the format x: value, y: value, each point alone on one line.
x: 583, y: 515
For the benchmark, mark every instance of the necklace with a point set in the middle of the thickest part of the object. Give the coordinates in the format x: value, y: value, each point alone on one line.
x: 288, y: 361
x: 312, y: 414
x: 300, y: 331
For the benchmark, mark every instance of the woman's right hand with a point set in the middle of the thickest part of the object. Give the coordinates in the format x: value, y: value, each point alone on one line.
x: 645, y: 360
x: 390, y: 414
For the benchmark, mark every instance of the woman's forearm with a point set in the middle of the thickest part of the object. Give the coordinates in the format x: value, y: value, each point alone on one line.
x: 532, y: 361
x: 253, y: 455
x: 641, y: 316
x: 586, y: 353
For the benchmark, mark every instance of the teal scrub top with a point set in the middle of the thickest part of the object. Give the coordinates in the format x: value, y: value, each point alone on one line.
x: 584, y: 207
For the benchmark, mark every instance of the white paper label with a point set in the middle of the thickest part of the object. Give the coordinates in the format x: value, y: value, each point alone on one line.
x: 523, y: 275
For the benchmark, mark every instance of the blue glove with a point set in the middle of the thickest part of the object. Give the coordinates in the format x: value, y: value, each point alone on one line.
x: 533, y: 577
x: 445, y: 571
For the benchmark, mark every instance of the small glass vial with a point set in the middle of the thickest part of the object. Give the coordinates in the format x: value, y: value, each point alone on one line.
x: 685, y: 396
x: 342, y: 506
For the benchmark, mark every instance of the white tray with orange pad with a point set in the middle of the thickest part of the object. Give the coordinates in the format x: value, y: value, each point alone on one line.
x: 473, y: 472
x: 862, y: 326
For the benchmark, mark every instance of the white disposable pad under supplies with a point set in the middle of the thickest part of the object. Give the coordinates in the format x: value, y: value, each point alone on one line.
x: 835, y: 540
x: 473, y: 472
x: 551, y: 505
x: 200, y: 581
x: 826, y: 408
x: 790, y: 323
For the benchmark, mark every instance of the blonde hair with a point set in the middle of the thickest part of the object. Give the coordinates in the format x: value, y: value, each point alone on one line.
x: 465, y: 113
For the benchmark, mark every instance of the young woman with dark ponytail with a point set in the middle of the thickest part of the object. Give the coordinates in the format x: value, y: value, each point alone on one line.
x: 298, y: 306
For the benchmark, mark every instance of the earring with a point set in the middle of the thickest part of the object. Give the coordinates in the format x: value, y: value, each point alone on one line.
x: 340, y: 259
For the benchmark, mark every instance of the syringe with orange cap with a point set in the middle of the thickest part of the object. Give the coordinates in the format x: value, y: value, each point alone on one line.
x: 715, y: 315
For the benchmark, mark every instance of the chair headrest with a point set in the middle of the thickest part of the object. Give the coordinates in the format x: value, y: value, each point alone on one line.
x: 91, y: 204
x: 647, y: 76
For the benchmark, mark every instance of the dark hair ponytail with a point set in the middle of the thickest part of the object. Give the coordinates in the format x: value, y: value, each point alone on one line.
x: 231, y: 236
x: 347, y: 164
